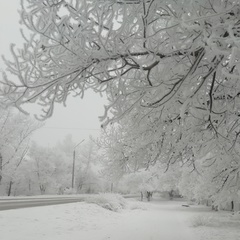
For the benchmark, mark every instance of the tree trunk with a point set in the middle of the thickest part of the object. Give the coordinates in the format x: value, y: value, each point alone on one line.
x: 171, y: 194
x: 10, y: 188
x: 42, y: 189
x: 29, y: 185
x: 232, y: 205
x: 141, y: 196
x: 149, y: 196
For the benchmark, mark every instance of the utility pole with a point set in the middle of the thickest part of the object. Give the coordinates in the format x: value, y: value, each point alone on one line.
x: 1, y: 167
x: 73, y: 165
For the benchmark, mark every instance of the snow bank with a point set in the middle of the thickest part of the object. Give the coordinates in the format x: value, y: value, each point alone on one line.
x: 113, y: 202
x: 67, y: 221
x: 134, y: 204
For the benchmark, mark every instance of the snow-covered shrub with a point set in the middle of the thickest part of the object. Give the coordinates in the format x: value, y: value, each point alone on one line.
x: 70, y: 191
x: 113, y: 202
x: 134, y: 205
x: 203, y: 220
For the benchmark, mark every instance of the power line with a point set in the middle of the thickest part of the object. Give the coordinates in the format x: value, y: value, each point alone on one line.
x: 67, y: 128
x: 72, y: 128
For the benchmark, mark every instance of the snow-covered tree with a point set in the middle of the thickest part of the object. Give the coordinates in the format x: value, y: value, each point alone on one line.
x: 171, y: 67
x: 180, y: 58
x: 88, y: 167
x: 49, y: 167
x: 144, y: 182
x: 15, y: 133
x: 117, y: 155
x: 87, y: 163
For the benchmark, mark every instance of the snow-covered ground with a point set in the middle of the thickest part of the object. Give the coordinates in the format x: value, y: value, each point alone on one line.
x: 221, y: 225
x: 167, y: 220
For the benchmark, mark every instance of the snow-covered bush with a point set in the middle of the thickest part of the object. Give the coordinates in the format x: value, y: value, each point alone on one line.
x: 70, y: 191
x: 134, y: 205
x: 142, y: 181
x: 202, y: 220
x: 113, y: 202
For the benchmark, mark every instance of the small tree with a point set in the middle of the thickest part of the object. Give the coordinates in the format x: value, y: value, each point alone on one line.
x: 142, y: 182
x: 15, y: 130
x: 49, y: 169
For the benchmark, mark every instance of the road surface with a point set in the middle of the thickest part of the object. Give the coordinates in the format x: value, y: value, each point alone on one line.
x: 15, y: 203
x: 26, y: 202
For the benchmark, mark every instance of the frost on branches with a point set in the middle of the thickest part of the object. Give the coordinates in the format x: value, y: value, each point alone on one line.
x: 171, y: 67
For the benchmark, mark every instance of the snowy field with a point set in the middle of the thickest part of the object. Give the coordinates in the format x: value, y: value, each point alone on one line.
x: 166, y: 220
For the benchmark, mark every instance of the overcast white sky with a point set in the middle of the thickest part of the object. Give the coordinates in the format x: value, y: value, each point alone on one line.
x: 79, y: 118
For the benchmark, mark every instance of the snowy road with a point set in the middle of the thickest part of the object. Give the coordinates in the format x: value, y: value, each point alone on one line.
x: 8, y: 203
x: 83, y: 221
x: 14, y: 203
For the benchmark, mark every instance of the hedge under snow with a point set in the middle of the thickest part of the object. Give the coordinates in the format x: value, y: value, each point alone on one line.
x: 113, y: 202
